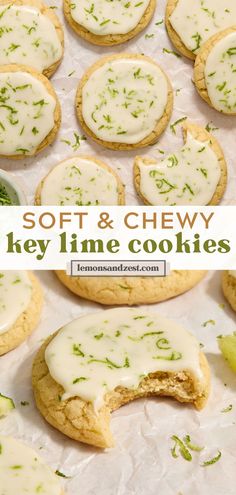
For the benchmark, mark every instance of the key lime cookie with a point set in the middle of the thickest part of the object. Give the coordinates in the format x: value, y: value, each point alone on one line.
x: 190, y: 23
x: 23, y: 471
x: 215, y: 71
x: 229, y: 287
x: 131, y: 290
x: 30, y: 113
x: 108, y: 23
x: 31, y: 34
x: 111, y: 358
x: 20, y: 303
x: 194, y: 175
x: 81, y: 180
x: 124, y: 101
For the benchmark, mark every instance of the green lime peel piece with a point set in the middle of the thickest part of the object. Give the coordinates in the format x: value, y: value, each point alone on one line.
x: 213, y: 460
x: 227, y: 346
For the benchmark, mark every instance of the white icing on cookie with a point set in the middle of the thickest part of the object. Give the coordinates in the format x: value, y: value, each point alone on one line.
x: 23, y: 472
x: 28, y: 37
x: 15, y: 296
x: 104, y: 17
x: 220, y: 74
x: 196, y: 20
x: 118, y: 347
x: 190, y: 176
x: 79, y: 181
x: 26, y: 113
x: 123, y: 100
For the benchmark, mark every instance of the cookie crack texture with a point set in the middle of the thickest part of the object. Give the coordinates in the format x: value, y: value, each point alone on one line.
x: 141, y: 290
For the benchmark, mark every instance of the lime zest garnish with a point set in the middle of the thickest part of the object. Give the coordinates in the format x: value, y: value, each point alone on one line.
x: 213, y: 460
x: 208, y: 322
x: 182, y: 449
x: 177, y: 122
x: 227, y: 409
x: 62, y: 475
x: 192, y: 446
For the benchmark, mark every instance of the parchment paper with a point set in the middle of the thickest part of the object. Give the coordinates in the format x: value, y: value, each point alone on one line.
x: 141, y: 463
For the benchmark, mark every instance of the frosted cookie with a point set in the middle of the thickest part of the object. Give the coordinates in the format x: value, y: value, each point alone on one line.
x: 20, y: 307
x: 30, y: 112
x: 23, y: 471
x: 192, y: 22
x: 31, y: 34
x: 124, y: 101
x: 111, y: 358
x: 81, y: 180
x: 131, y: 290
x: 194, y: 175
x: 229, y: 287
x: 108, y: 23
x: 215, y: 71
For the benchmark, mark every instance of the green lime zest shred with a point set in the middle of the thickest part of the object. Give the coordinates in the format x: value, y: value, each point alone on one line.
x: 213, y: 460
x: 192, y: 446
x: 182, y: 449
x: 227, y: 409
x: 62, y: 475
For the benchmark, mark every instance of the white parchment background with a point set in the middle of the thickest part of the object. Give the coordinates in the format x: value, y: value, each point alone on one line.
x: 141, y: 463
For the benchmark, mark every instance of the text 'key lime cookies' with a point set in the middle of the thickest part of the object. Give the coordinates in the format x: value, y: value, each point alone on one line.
x: 111, y: 358
x: 124, y: 101
x: 81, y: 181
x: 23, y: 471
x: 130, y: 291
x: 192, y: 22
x: 31, y: 34
x: 108, y: 23
x: 215, y: 71
x: 30, y: 113
x: 194, y: 175
x: 20, y: 304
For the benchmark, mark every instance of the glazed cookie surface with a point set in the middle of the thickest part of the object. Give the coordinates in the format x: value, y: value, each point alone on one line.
x: 111, y: 358
x: 195, y: 175
x: 29, y: 112
x: 31, y: 35
x: 124, y: 101
x: 18, y: 320
x: 23, y: 471
x: 215, y: 71
x: 192, y: 22
x: 108, y: 23
x: 229, y: 287
x: 81, y: 180
x: 131, y: 290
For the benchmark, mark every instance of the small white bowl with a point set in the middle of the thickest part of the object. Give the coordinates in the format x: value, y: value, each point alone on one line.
x: 10, y: 184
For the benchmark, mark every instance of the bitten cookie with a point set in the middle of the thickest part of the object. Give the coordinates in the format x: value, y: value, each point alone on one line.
x: 30, y: 113
x: 111, y: 358
x: 21, y: 303
x: 192, y: 22
x: 124, y: 101
x: 23, y: 471
x: 215, y: 73
x: 195, y: 175
x: 108, y: 23
x: 31, y: 35
x: 131, y: 290
x: 229, y: 287
x: 81, y: 180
